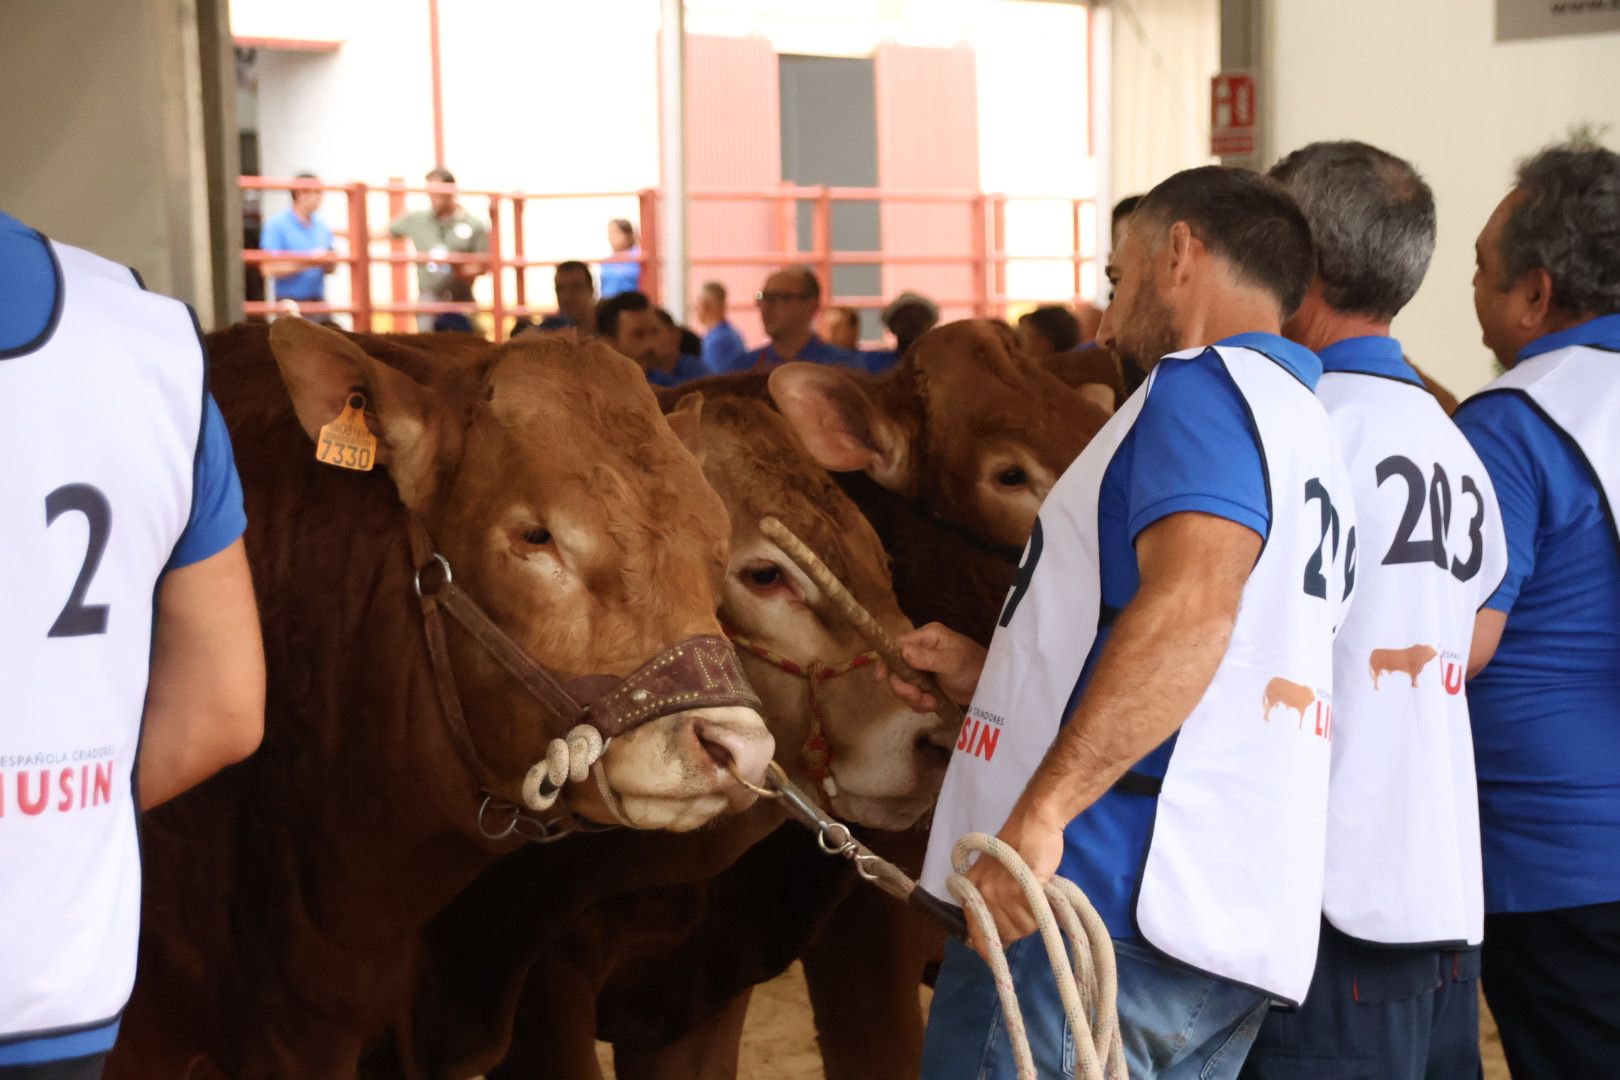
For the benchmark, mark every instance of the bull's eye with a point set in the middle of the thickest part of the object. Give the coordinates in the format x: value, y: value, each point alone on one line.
x: 1013, y: 476
x: 539, y: 536
x: 764, y: 577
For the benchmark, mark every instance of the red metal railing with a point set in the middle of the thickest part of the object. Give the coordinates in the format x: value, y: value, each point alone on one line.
x: 983, y: 253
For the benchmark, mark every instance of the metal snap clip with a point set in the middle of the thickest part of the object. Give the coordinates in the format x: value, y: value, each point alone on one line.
x: 444, y: 564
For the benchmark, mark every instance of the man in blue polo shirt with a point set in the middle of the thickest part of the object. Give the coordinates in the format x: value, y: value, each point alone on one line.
x: 1546, y: 736
x: 298, y: 230
x: 1395, y: 993
x: 787, y: 306
x: 129, y: 641
x: 723, y: 349
x: 1151, y: 719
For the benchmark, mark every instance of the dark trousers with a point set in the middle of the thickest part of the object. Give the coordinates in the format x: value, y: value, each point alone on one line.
x: 1552, y: 979
x: 80, y: 1068
x: 1376, y: 1013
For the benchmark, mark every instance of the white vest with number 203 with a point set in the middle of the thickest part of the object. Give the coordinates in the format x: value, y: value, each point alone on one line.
x: 1403, y: 862
x: 1232, y: 882
x: 99, y: 426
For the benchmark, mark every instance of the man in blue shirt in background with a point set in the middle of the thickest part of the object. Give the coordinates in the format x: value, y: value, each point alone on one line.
x: 1546, y: 725
x: 787, y: 306
x: 723, y: 348
x: 298, y: 229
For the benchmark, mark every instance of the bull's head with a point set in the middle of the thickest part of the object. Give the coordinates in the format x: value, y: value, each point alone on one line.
x: 885, y: 761
x: 967, y: 425
x: 578, y: 522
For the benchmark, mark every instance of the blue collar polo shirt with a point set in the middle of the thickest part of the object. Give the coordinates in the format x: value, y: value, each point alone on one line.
x: 287, y: 232
x: 687, y: 368
x: 1380, y: 356
x: 1193, y: 448
x: 815, y: 351
x: 621, y: 273
x: 1544, y: 711
x: 880, y: 361
x: 723, y: 349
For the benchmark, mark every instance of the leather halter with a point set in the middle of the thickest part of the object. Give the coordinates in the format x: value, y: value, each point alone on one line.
x: 815, y: 753
x: 699, y: 672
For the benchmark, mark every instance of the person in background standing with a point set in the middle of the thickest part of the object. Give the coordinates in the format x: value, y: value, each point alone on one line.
x: 787, y: 306
x: 908, y: 317
x: 576, y: 299
x: 621, y: 271
x: 1049, y: 329
x: 298, y: 230
x: 841, y: 326
x: 631, y: 324
x: 445, y: 228
x: 723, y: 349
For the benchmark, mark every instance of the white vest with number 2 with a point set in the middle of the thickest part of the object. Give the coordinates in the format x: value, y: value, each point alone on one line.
x: 99, y: 428
x: 1232, y: 882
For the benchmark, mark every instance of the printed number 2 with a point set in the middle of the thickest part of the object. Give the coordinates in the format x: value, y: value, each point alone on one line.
x: 79, y: 619
x: 1026, y: 571
x: 1315, y: 580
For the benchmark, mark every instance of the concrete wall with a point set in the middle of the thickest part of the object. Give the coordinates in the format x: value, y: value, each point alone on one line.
x: 1427, y: 81
x: 1164, y: 52
x: 103, y: 126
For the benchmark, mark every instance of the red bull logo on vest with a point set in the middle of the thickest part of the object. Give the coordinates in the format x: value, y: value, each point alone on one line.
x: 981, y: 731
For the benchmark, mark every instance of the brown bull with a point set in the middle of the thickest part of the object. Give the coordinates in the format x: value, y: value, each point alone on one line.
x: 1409, y: 662
x: 884, y: 766
x: 285, y: 895
x: 953, y: 401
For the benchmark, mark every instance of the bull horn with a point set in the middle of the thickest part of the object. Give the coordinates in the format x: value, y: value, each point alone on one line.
x: 881, y: 640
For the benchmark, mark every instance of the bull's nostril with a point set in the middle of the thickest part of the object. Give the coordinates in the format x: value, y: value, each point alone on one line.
x: 716, y: 751
x: 931, y: 750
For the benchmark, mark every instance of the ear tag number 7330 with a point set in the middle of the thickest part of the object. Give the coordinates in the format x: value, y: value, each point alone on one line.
x: 346, y: 442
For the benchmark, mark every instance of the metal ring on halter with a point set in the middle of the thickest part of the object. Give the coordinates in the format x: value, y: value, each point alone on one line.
x: 416, y: 582
x: 839, y: 847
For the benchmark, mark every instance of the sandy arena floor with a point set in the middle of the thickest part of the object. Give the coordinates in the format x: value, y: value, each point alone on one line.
x: 779, y: 1042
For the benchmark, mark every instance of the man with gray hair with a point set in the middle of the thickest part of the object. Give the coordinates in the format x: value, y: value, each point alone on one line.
x: 1395, y: 990
x: 1546, y: 736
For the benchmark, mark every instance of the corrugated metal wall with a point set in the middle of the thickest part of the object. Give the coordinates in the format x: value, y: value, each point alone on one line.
x: 734, y: 140
x: 928, y: 138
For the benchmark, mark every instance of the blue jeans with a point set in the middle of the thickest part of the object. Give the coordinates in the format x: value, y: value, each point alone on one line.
x: 1378, y: 1013
x: 1176, y: 1024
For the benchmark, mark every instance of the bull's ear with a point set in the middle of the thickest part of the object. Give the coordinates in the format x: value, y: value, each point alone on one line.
x: 839, y: 424
x: 686, y: 419
x: 1099, y: 395
x: 322, y: 368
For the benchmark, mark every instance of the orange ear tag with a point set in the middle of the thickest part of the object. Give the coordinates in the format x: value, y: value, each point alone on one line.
x: 346, y: 442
